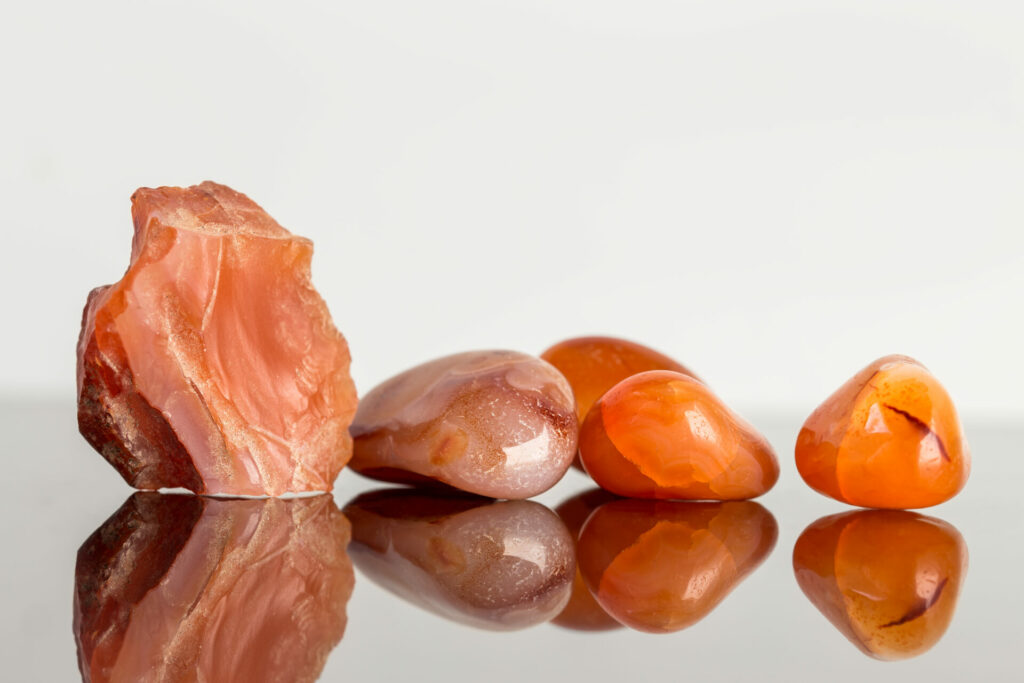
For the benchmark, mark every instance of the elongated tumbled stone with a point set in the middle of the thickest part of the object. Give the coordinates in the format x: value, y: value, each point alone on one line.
x: 213, y: 364
x: 496, y: 423
x: 187, y: 588
x: 494, y: 565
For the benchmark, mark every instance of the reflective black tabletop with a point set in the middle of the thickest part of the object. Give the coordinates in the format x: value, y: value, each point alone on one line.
x: 571, y: 585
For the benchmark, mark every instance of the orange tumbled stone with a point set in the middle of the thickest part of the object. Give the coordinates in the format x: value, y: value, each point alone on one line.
x: 213, y: 364
x: 182, y: 588
x: 593, y: 365
x: 662, y: 434
x: 662, y: 566
x: 582, y: 613
x: 887, y: 579
x: 888, y: 438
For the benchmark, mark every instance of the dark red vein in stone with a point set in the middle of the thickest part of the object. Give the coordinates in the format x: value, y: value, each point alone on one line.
x: 922, y: 427
x: 920, y: 608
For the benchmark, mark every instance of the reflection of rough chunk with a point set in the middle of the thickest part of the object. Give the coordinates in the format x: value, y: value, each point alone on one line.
x: 184, y: 588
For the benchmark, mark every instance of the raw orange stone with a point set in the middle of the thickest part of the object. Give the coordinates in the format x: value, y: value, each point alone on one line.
x: 213, y: 364
x: 582, y: 613
x: 662, y: 434
x: 593, y: 365
x: 663, y: 566
x: 887, y: 579
x: 186, y: 588
x: 495, y: 423
x: 888, y: 438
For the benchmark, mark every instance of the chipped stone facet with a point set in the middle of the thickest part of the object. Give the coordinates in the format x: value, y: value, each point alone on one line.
x: 888, y: 438
x: 186, y: 588
x: 213, y: 364
x: 495, y: 423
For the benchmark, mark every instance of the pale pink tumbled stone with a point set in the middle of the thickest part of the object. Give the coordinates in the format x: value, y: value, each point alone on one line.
x: 496, y: 423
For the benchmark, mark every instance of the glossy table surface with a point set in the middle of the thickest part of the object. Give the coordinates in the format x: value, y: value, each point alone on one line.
x: 59, y: 492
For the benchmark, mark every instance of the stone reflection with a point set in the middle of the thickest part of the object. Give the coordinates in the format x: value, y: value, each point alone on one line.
x: 186, y: 588
x: 582, y: 613
x: 660, y: 566
x: 493, y: 565
x: 887, y: 579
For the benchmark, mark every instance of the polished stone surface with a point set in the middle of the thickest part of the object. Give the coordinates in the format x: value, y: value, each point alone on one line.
x: 890, y: 437
x: 766, y: 629
x: 665, y: 435
x: 494, y: 423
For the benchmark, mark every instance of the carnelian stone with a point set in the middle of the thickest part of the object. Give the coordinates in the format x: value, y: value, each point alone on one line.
x: 888, y: 438
x: 663, y: 566
x: 495, y: 423
x: 501, y: 566
x: 582, y: 613
x: 593, y: 365
x: 187, y: 588
x: 213, y: 363
x: 665, y: 435
x: 887, y: 579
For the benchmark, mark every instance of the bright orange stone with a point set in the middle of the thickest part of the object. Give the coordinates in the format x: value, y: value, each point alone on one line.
x: 593, y: 365
x: 213, y: 364
x: 662, y: 434
x: 582, y: 613
x: 660, y: 567
x: 888, y: 438
x: 887, y: 579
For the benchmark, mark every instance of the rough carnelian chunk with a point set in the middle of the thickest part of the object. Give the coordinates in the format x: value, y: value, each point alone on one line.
x: 662, y: 434
x: 888, y: 438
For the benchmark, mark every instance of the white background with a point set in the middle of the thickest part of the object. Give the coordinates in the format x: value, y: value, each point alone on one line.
x: 775, y: 193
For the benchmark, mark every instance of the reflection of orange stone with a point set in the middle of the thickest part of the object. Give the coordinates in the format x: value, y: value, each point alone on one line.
x: 593, y: 365
x: 887, y: 579
x: 661, y: 567
x: 213, y: 364
x: 582, y: 613
x: 494, y: 565
x: 663, y: 434
x: 888, y: 438
x: 182, y: 588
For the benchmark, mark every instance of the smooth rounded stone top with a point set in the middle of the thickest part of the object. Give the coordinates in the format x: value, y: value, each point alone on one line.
x: 495, y: 423
x: 493, y: 565
x: 593, y: 365
x: 888, y: 580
